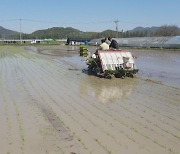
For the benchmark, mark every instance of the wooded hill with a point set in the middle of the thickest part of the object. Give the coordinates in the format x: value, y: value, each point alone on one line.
x: 6, y: 32
x: 60, y: 32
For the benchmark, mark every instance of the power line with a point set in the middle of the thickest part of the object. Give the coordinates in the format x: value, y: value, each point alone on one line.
x: 90, y: 22
x: 39, y: 21
x: 9, y: 20
x: 74, y: 23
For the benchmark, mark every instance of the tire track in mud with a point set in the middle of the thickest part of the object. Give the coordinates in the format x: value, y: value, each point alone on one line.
x: 5, y: 123
x: 175, y: 136
x: 163, y: 104
x: 12, y: 109
x: 18, y: 88
x: 129, y: 106
x: 55, y: 123
x: 7, y: 84
x: 145, y: 102
x: 50, y: 100
x: 44, y: 73
x: 156, y: 111
x: 18, y: 83
x: 166, y: 99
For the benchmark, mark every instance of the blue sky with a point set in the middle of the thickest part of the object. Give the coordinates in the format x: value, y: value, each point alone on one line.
x: 93, y: 15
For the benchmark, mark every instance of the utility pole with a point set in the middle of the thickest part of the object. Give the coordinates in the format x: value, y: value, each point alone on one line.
x: 116, y: 23
x: 20, y: 31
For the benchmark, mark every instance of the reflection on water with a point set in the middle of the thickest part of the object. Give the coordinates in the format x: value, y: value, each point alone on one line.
x: 107, y: 91
x: 161, y: 65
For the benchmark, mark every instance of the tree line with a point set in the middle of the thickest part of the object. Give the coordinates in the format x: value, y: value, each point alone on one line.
x: 59, y: 33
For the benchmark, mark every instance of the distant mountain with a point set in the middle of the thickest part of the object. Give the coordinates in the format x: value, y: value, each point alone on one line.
x: 164, y: 30
x: 109, y: 32
x: 144, y: 29
x: 61, y: 32
x: 149, y: 31
x: 6, y: 32
x: 57, y: 32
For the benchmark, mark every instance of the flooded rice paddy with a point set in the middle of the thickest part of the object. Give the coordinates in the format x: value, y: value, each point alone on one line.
x: 49, y: 106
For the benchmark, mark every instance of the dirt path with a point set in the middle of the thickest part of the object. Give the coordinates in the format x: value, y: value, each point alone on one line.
x: 48, y: 107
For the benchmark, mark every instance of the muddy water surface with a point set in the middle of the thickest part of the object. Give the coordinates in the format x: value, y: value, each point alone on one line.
x: 160, y: 65
x: 48, y: 105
